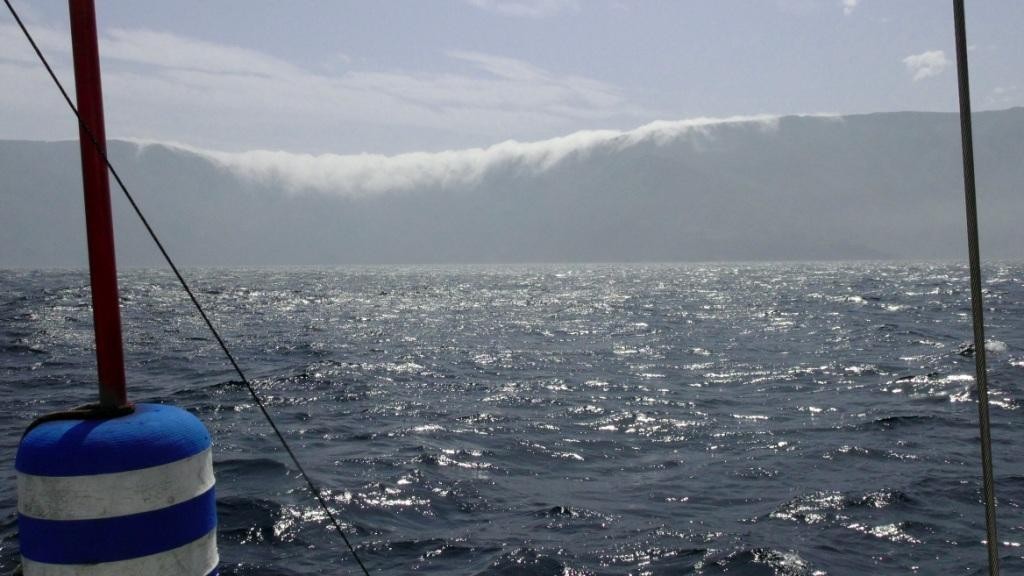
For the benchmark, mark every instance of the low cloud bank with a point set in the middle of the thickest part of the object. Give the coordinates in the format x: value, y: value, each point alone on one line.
x: 363, y: 174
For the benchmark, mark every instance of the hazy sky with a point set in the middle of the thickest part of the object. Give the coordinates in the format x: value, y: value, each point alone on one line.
x: 401, y: 76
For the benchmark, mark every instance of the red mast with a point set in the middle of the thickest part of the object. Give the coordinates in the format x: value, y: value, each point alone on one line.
x: 98, y: 219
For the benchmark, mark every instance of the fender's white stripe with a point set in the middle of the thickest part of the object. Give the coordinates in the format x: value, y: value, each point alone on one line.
x: 197, y: 558
x: 116, y: 494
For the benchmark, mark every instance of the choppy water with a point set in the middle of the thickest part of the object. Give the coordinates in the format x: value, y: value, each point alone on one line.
x: 702, y: 419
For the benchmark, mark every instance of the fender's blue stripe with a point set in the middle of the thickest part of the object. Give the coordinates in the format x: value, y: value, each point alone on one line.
x: 121, y: 538
x: 155, y: 434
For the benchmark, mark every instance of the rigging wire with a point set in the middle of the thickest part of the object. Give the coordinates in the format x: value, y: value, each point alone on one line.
x: 181, y: 279
x: 977, y: 311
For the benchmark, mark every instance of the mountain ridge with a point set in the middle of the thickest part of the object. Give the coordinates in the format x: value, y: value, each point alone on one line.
x: 872, y: 186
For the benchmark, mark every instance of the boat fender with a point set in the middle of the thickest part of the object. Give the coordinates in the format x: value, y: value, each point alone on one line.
x: 132, y: 495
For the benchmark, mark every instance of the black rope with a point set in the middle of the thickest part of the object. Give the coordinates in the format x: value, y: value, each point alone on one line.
x: 181, y: 279
x: 976, y: 304
x: 97, y: 411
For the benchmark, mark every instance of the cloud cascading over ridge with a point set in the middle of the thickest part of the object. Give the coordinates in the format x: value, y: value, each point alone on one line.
x: 790, y: 187
x: 362, y: 174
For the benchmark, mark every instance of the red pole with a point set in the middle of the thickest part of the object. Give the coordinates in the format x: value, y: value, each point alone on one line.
x: 98, y: 220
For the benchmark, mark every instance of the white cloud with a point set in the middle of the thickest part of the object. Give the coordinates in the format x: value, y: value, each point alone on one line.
x: 926, y: 64
x: 567, y: 89
x: 175, y: 52
x: 849, y: 6
x: 14, y: 47
x: 167, y: 87
x: 526, y: 8
x: 508, y: 68
x: 360, y: 174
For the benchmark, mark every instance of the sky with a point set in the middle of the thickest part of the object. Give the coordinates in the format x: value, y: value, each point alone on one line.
x: 396, y: 77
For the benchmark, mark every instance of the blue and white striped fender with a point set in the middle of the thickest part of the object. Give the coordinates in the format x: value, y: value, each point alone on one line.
x: 132, y: 495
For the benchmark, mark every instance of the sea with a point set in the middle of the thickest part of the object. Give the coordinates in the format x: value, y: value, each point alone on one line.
x: 604, y: 419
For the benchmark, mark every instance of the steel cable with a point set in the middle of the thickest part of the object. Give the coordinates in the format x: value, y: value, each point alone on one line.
x: 977, y: 310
